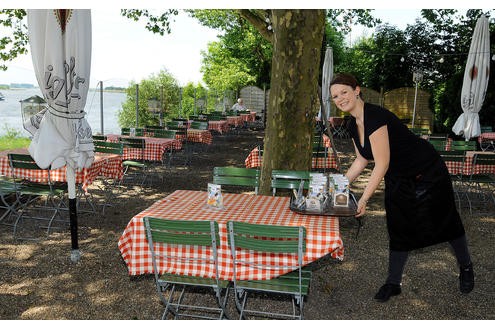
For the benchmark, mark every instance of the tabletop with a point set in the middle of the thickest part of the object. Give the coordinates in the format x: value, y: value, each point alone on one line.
x: 323, y: 236
x: 235, y: 120
x: 467, y: 168
x: 154, y: 147
x: 200, y: 136
x: 248, y: 117
x: 219, y: 126
x: 254, y: 160
x: 106, y: 165
x: 486, y: 136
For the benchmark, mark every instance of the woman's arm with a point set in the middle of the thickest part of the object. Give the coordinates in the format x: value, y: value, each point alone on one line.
x: 381, y: 153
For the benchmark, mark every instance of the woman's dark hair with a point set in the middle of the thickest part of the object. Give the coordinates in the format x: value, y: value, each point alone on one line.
x: 345, y: 79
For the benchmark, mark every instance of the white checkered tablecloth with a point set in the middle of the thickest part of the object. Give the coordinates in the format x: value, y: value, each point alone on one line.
x: 323, y: 236
x: 219, y: 126
x: 254, y: 160
x: 467, y: 169
x: 107, y: 165
x: 153, y: 150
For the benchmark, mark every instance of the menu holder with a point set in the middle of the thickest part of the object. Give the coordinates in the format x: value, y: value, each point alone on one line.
x: 327, y: 209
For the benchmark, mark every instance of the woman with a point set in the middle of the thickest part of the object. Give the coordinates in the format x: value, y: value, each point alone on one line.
x: 419, y: 198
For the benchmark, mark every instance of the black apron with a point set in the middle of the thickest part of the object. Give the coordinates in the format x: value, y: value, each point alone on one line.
x: 421, y: 209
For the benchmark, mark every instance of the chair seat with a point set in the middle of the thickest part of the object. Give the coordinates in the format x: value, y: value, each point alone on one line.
x: 287, y: 283
x: 193, y: 281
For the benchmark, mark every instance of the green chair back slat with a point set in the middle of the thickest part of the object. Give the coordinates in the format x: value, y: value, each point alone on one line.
x: 167, y: 134
x: 99, y: 137
x: 484, y: 159
x: 23, y: 161
x: 179, y: 232
x: 199, y: 125
x: 463, y: 145
x: 269, y: 238
x: 438, y: 144
x: 453, y: 155
x: 287, y: 179
x: 486, y: 129
x: 108, y: 147
x: 236, y: 176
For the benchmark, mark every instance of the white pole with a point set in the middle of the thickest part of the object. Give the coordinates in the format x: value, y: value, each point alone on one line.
x: 101, y: 108
x: 414, y: 110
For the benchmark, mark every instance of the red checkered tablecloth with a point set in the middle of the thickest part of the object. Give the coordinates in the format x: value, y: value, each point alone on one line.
x: 154, y: 147
x: 254, y: 160
x: 219, y: 126
x: 467, y: 169
x: 486, y: 136
x: 201, y: 136
x: 323, y: 236
x: 251, y: 117
x: 235, y: 121
x: 108, y: 165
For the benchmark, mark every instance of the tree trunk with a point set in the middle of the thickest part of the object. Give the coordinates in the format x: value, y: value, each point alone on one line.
x: 293, y: 105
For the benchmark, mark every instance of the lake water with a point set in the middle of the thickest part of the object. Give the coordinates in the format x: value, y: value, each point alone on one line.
x: 10, y: 110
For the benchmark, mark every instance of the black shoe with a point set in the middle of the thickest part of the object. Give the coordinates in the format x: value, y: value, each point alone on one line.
x: 466, y: 278
x: 386, y: 291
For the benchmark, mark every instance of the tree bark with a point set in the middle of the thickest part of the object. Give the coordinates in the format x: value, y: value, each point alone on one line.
x: 293, y: 105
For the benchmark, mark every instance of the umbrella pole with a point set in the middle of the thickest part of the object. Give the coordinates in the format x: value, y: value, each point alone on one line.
x: 75, y: 254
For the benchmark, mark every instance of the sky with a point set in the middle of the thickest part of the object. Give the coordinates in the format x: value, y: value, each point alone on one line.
x: 124, y: 51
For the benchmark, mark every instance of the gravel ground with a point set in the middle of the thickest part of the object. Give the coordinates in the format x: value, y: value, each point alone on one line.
x: 38, y: 280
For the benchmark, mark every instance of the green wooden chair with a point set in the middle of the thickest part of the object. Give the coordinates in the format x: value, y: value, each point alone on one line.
x: 109, y: 185
x: 287, y: 240
x: 459, y: 180
x: 463, y: 145
x: 483, y: 184
x: 236, y: 176
x: 41, y: 202
x: 135, y: 169
x: 438, y: 144
x: 288, y: 179
x: 163, y: 233
x: 8, y: 200
x: 199, y: 125
x: 99, y: 137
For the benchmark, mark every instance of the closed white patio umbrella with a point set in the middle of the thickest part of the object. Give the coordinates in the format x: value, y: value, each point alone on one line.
x: 475, y: 82
x: 60, y: 41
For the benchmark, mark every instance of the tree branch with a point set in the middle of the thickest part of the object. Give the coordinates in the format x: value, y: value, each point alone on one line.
x: 258, y: 22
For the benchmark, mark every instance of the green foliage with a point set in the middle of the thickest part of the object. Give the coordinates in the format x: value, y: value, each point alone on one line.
x: 152, y: 88
x: 15, y: 44
x: 11, y: 139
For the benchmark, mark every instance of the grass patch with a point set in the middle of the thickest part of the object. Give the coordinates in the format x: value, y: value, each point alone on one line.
x: 12, y: 139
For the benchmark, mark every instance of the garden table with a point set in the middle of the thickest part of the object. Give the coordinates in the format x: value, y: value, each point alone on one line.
x: 323, y: 236
x: 254, y: 160
x: 154, y: 149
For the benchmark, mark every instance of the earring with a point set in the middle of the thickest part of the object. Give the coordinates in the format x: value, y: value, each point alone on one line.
x: 357, y: 96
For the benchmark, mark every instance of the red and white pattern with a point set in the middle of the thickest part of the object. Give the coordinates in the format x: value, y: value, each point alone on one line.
x: 235, y: 121
x: 219, y: 126
x: 251, y: 117
x: 486, y: 136
x: 107, y: 165
x: 323, y: 236
x: 467, y: 169
x: 254, y: 160
x: 153, y: 150
x: 200, y: 136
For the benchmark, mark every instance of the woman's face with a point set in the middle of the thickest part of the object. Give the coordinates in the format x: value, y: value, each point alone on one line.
x: 344, y: 96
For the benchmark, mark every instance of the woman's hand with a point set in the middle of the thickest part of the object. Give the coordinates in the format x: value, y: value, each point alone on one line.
x: 361, y: 207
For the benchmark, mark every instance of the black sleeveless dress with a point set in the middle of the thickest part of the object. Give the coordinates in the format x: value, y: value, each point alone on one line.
x: 419, y: 198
